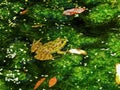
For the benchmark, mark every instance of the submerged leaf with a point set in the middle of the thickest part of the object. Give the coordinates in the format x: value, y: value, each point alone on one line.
x: 52, y: 81
x: 39, y: 83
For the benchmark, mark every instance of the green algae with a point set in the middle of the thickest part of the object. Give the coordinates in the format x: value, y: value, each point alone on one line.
x: 96, y: 31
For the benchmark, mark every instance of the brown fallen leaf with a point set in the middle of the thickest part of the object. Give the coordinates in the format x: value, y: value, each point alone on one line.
x: 39, y: 83
x: 52, y: 81
x: 38, y: 25
x: 24, y: 12
x: 74, y: 11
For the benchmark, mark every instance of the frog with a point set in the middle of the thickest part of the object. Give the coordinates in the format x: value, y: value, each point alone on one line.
x: 45, y: 51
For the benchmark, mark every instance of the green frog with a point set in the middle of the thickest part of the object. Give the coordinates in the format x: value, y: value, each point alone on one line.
x: 45, y: 51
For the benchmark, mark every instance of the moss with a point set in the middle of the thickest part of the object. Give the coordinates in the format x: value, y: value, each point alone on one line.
x: 96, y: 31
x: 3, y: 85
x: 102, y: 14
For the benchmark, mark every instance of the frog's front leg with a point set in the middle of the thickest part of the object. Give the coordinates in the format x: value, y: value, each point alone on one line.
x: 35, y: 45
x: 61, y: 52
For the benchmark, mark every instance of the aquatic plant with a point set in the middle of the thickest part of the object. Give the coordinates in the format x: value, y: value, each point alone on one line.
x: 96, y: 30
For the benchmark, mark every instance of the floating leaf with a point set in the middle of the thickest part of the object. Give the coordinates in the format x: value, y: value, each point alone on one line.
x: 52, y: 81
x: 39, y: 83
x: 74, y: 11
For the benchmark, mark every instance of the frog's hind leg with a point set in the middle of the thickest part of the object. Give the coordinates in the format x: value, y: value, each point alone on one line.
x: 61, y: 52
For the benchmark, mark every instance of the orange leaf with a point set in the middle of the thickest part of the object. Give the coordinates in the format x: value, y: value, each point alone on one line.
x: 23, y: 12
x: 52, y: 81
x: 39, y: 83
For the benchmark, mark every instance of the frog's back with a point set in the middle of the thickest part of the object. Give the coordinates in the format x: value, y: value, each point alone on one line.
x: 56, y: 45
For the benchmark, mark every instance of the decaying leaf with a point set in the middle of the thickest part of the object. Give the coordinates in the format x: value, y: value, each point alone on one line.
x: 117, y: 78
x: 52, y: 81
x: 78, y: 51
x: 38, y: 25
x: 24, y: 12
x: 74, y: 11
x: 39, y: 83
